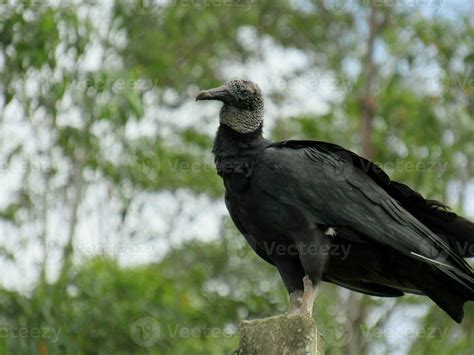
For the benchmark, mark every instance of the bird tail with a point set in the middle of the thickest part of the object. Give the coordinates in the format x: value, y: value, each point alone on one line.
x: 457, y: 231
x: 457, y: 289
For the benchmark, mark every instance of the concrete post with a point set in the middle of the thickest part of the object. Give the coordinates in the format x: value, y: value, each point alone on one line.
x: 280, y: 335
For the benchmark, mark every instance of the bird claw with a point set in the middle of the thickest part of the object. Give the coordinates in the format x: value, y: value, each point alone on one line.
x: 296, y: 299
x: 308, y: 297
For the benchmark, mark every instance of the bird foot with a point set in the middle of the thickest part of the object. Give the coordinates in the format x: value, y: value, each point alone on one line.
x: 296, y: 298
x: 309, y: 295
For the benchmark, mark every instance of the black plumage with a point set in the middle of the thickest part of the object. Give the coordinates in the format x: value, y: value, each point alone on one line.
x: 298, y: 202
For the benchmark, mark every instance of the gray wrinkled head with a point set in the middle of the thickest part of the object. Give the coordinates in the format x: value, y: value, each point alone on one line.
x: 243, y: 104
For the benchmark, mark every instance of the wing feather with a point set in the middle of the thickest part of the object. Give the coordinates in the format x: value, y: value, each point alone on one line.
x: 304, y: 177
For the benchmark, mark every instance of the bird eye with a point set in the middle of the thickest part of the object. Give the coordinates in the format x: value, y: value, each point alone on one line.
x: 245, y: 94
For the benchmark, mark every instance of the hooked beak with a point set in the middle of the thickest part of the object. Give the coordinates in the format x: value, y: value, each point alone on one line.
x: 221, y: 93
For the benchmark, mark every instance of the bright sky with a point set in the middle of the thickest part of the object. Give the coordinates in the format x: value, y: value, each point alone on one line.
x: 97, y: 230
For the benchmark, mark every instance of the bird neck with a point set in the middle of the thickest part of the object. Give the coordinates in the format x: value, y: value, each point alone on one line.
x: 243, y: 121
x: 231, y: 146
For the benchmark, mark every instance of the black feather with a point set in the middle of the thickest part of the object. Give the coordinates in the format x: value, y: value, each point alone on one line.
x: 284, y: 196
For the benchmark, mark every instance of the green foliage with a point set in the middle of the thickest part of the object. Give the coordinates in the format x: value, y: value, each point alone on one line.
x: 150, y: 58
x: 192, y: 301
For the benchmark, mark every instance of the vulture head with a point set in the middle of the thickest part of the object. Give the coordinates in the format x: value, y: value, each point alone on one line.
x: 243, y: 105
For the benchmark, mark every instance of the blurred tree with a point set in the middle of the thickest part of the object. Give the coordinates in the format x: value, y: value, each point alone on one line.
x: 89, y: 106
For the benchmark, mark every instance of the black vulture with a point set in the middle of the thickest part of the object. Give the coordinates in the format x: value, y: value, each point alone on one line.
x: 299, y: 203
